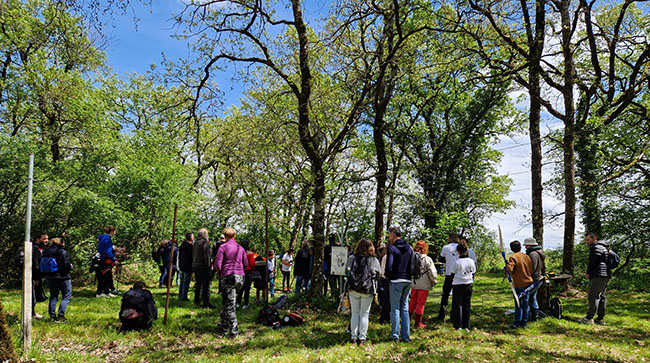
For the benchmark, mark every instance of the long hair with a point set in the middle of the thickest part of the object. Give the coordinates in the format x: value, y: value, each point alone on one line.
x: 422, y: 247
x: 364, y: 248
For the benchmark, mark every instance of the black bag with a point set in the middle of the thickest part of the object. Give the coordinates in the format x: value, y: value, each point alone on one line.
x: 95, y: 262
x: 292, y: 319
x: 268, y: 316
x: 256, y: 275
x: 556, y: 308
x: 612, y: 260
x: 416, y: 265
x: 280, y: 302
x: 39, y: 293
x: 360, y: 278
x: 19, y: 259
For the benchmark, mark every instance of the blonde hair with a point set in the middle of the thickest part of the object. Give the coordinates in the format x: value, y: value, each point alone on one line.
x: 229, y: 233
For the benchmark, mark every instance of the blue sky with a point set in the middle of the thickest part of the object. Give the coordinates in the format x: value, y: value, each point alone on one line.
x: 135, y: 45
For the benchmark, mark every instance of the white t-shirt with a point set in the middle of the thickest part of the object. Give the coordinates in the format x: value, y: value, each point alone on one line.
x: 288, y: 259
x: 271, y: 264
x: 451, y: 255
x: 464, y: 271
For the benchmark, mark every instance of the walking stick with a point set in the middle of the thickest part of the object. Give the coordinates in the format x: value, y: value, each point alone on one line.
x: 171, y: 264
x: 503, y: 253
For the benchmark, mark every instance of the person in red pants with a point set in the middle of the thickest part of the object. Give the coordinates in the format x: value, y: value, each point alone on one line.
x: 420, y: 286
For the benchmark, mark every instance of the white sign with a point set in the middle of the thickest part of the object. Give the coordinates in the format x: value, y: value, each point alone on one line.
x: 339, y: 259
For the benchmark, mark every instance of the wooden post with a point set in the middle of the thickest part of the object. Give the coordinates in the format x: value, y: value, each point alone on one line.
x: 171, y: 264
x: 27, y: 266
x: 266, y: 239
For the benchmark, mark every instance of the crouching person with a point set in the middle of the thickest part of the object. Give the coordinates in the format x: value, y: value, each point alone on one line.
x: 138, y: 310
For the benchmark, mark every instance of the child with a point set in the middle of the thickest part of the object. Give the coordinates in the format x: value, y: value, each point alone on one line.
x: 461, y: 302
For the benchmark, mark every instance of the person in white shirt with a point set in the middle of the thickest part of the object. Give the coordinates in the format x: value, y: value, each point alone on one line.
x: 448, y: 255
x: 287, y: 262
x: 461, y: 303
x: 470, y: 252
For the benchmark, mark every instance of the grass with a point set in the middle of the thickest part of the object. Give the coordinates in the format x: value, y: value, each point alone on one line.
x: 91, y: 334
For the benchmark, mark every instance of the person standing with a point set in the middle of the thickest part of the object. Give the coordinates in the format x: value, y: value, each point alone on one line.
x: 598, y: 274
x: 107, y: 258
x: 302, y: 269
x: 58, y: 279
x: 229, y: 264
x: 383, y: 288
x: 363, y: 273
x: 166, y: 258
x: 448, y: 255
x: 245, y: 291
x: 420, y: 287
x: 287, y: 262
x: 185, y: 266
x: 464, y: 271
x: 537, y: 257
x: 470, y: 252
x: 41, y: 241
x: 398, y: 258
x: 271, y: 262
x: 521, y: 268
x: 201, y: 267
x: 330, y: 279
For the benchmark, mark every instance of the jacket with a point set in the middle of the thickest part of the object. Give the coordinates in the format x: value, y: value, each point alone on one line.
x: 302, y: 264
x: 521, y: 268
x: 140, y: 300
x: 201, y: 255
x: 105, y: 247
x: 37, y: 252
x: 231, y: 259
x: 428, y: 279
x: 185, y: 257
x: 537, y: 258
x: 167, y: 254
x: 398, y: 259
x: 62, y: 261
x: 597, y: 266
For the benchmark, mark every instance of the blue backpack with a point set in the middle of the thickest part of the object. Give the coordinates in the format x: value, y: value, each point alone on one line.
x: 49, y: 265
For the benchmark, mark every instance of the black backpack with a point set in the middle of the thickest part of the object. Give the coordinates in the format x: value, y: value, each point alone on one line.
x: 19, y: 259
x: 95, y: 262
x: 612, y: 260
x: 268, y: 316
x: 416, y: 265
x: 360, y: 278
x: 556, y: 308
x: 292, y: 319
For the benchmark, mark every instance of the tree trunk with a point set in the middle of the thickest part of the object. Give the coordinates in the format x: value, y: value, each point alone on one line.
x: 568, y: 140
x: 587, y: 171
x: 381, y: 176
x: 318, y: 228
x: 300, y: 215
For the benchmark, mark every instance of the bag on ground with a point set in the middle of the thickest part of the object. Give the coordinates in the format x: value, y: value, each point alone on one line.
x: 280, y: 302
x: 292, y: 319
x: 556, y: 308
x: 49, y: 265
x: 344, y: 304
x: 268, y: 316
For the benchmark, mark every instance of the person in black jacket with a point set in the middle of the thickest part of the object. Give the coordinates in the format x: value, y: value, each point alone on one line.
x: 398, y: 261
x: 302, y: 268
x: 59, y: 280
x: 138, y: 310
x: 185, y: 266
x: 41, y: 241
x: 598, y: 274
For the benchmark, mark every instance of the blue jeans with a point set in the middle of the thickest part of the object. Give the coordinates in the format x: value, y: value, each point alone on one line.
x: 272, y: 284
x: 184, y: 286
x: 399, y: 306
x: 163, y: 276
x: 532, y: 298
x: 65, y: 288
x: 302, y: 282
x: 521, y: 313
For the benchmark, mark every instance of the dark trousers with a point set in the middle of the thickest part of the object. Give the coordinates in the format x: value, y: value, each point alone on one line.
x: 444, y: 300
x: 461, y: 306
x: 245, y: 291
x: 596, y: 297
x: 286, y: 280
x: 384, y: 301
x: 202, y: 286
x: 104, y: 280
x: 333, y: 281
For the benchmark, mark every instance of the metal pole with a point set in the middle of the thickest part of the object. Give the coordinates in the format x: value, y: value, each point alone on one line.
x: 171, y: 264
x: 27, y: 266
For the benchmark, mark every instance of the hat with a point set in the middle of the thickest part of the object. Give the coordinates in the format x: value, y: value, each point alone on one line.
x: 530, y: 241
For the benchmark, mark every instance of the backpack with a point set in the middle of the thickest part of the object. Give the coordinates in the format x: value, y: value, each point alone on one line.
x: 292, y: 319
x: 49, y: 265
x: 360, y: 279
x: 19, y: 259
x: 281, y: 302
x: 268, y: 316
x: 556, y: 308
x: 612, y: 260
x: 416, y: 265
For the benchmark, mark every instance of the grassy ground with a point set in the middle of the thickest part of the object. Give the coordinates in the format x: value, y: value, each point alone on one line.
x: 91, y: 334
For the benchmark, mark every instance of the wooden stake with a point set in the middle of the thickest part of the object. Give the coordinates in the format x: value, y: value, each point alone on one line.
x: 171, y: 264
x: 27, y: 266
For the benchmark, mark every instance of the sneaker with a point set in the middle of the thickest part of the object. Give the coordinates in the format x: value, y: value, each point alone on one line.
x: 513, y: 326
x: 115, y: 292
x: 584, y: 320
x: 245, y: 306
x: 361, y: 342
x: 599, y: 321
x: 54, y: 319
x: 110, y: 295
x: 37, y: 316
x: 101, y: 295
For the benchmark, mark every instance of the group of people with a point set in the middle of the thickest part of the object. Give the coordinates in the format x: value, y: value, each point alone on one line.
x: 400, y: 274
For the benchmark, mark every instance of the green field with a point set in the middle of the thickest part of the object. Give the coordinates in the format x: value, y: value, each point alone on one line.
x: 91, y: 334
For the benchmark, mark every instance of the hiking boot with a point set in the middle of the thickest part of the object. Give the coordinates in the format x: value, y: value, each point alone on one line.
x: 54, y: 319
x: 361, y: 342
x: 584, y: 320
x: 61, y: 319
x: 599, y: 321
